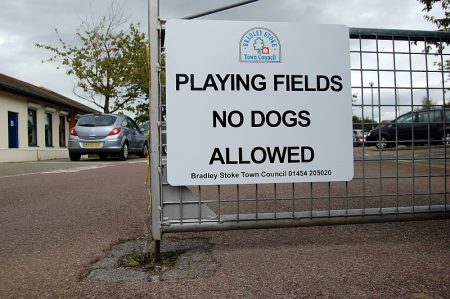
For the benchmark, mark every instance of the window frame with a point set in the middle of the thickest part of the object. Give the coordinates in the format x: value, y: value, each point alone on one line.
x: 62, y: 131
x: 33, y: 127
x: 48, y: 129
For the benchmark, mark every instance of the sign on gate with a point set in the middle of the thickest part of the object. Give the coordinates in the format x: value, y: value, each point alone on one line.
x: 257, y: 102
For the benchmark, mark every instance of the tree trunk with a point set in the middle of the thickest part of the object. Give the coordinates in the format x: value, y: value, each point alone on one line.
x: 106, y: 105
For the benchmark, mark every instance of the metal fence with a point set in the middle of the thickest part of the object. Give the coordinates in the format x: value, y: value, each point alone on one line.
x: 393, y: 72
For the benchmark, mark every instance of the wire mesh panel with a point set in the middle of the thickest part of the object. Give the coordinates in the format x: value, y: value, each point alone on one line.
x: 401, y: 128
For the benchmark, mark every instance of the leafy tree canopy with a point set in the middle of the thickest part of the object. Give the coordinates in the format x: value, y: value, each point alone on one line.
x: 443, y: 21
x: 110, y: 62
x: 363, y: 123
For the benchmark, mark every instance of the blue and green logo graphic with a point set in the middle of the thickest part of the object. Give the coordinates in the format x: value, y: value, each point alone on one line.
x: 260, y: 45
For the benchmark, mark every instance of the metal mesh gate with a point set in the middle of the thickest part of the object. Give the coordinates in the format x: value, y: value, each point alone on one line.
x: 393, y: 73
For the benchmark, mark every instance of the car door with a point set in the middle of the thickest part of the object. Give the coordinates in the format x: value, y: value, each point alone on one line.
x: 133, y: 135
x: 421, y: 124
x: 139, y: 137
x: 436, y: 124
x: 127, y: 133
x: 404, y: 128
x: 427, y: 125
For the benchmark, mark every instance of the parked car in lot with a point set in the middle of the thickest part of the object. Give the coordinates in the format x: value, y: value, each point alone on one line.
x: 105, y: 134
x: 416, y: 127
x: 163, y: 140
x: 355, y: 142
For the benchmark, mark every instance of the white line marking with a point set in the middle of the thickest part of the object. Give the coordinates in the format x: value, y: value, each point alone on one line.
x: 90, y: 166
x: 71, y: 170
x: 77, y: 169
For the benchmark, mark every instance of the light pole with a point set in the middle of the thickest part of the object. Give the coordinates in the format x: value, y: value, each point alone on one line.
x: 371, y: 91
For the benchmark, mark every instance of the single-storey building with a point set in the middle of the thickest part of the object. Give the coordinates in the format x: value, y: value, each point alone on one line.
x: 34, y: 121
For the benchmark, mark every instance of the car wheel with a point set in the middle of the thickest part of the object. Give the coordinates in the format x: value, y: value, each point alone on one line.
x: 74, y: 156
x: 381, y: 143
x: 144, y: 152
x: 123, y: 155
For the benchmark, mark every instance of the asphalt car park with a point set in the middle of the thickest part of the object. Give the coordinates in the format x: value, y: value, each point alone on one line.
x: 59, y: 217
x: 403, y: 152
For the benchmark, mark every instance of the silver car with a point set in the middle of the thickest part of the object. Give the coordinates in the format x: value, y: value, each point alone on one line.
x: 105, y: 134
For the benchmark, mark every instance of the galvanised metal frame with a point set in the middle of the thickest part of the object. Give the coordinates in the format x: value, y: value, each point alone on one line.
x: 155, y: 34
x: 401, y: 183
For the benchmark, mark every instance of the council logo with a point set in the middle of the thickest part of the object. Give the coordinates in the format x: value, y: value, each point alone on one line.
x: 259, y: 45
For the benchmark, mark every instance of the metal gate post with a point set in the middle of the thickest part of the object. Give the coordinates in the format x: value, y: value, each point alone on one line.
x: 154, y: 112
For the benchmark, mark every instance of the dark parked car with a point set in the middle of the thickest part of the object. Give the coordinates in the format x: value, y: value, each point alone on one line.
x: 105, y: 134
x: 430, y: 126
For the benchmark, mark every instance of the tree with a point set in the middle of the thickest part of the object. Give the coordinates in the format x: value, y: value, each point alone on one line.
x: 141, y: 110
x: 110, y: 64
x: 365, y: 124
x: 427, y: 103
x: 443, y: 22
x: 258, y: 45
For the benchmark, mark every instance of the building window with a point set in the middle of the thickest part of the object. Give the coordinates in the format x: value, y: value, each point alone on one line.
x: 32, y: 128
x: 62, y: 131
x: 48, y: 129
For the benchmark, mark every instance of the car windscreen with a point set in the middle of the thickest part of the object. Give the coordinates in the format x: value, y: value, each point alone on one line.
x: 96, y: 121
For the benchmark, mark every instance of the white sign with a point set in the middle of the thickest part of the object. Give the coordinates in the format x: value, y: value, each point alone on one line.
x: 257, y: 102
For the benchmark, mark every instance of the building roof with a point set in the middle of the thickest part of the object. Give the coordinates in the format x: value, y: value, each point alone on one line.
x: 26, y: 89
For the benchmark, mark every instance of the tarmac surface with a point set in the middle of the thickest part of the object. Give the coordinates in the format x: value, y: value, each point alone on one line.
x: 58, y: 219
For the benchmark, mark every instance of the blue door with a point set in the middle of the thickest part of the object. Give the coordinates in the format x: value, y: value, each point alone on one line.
x: 13, y: 129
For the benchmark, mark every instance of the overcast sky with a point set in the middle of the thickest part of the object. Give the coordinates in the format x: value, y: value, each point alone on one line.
x: 26, y: 22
